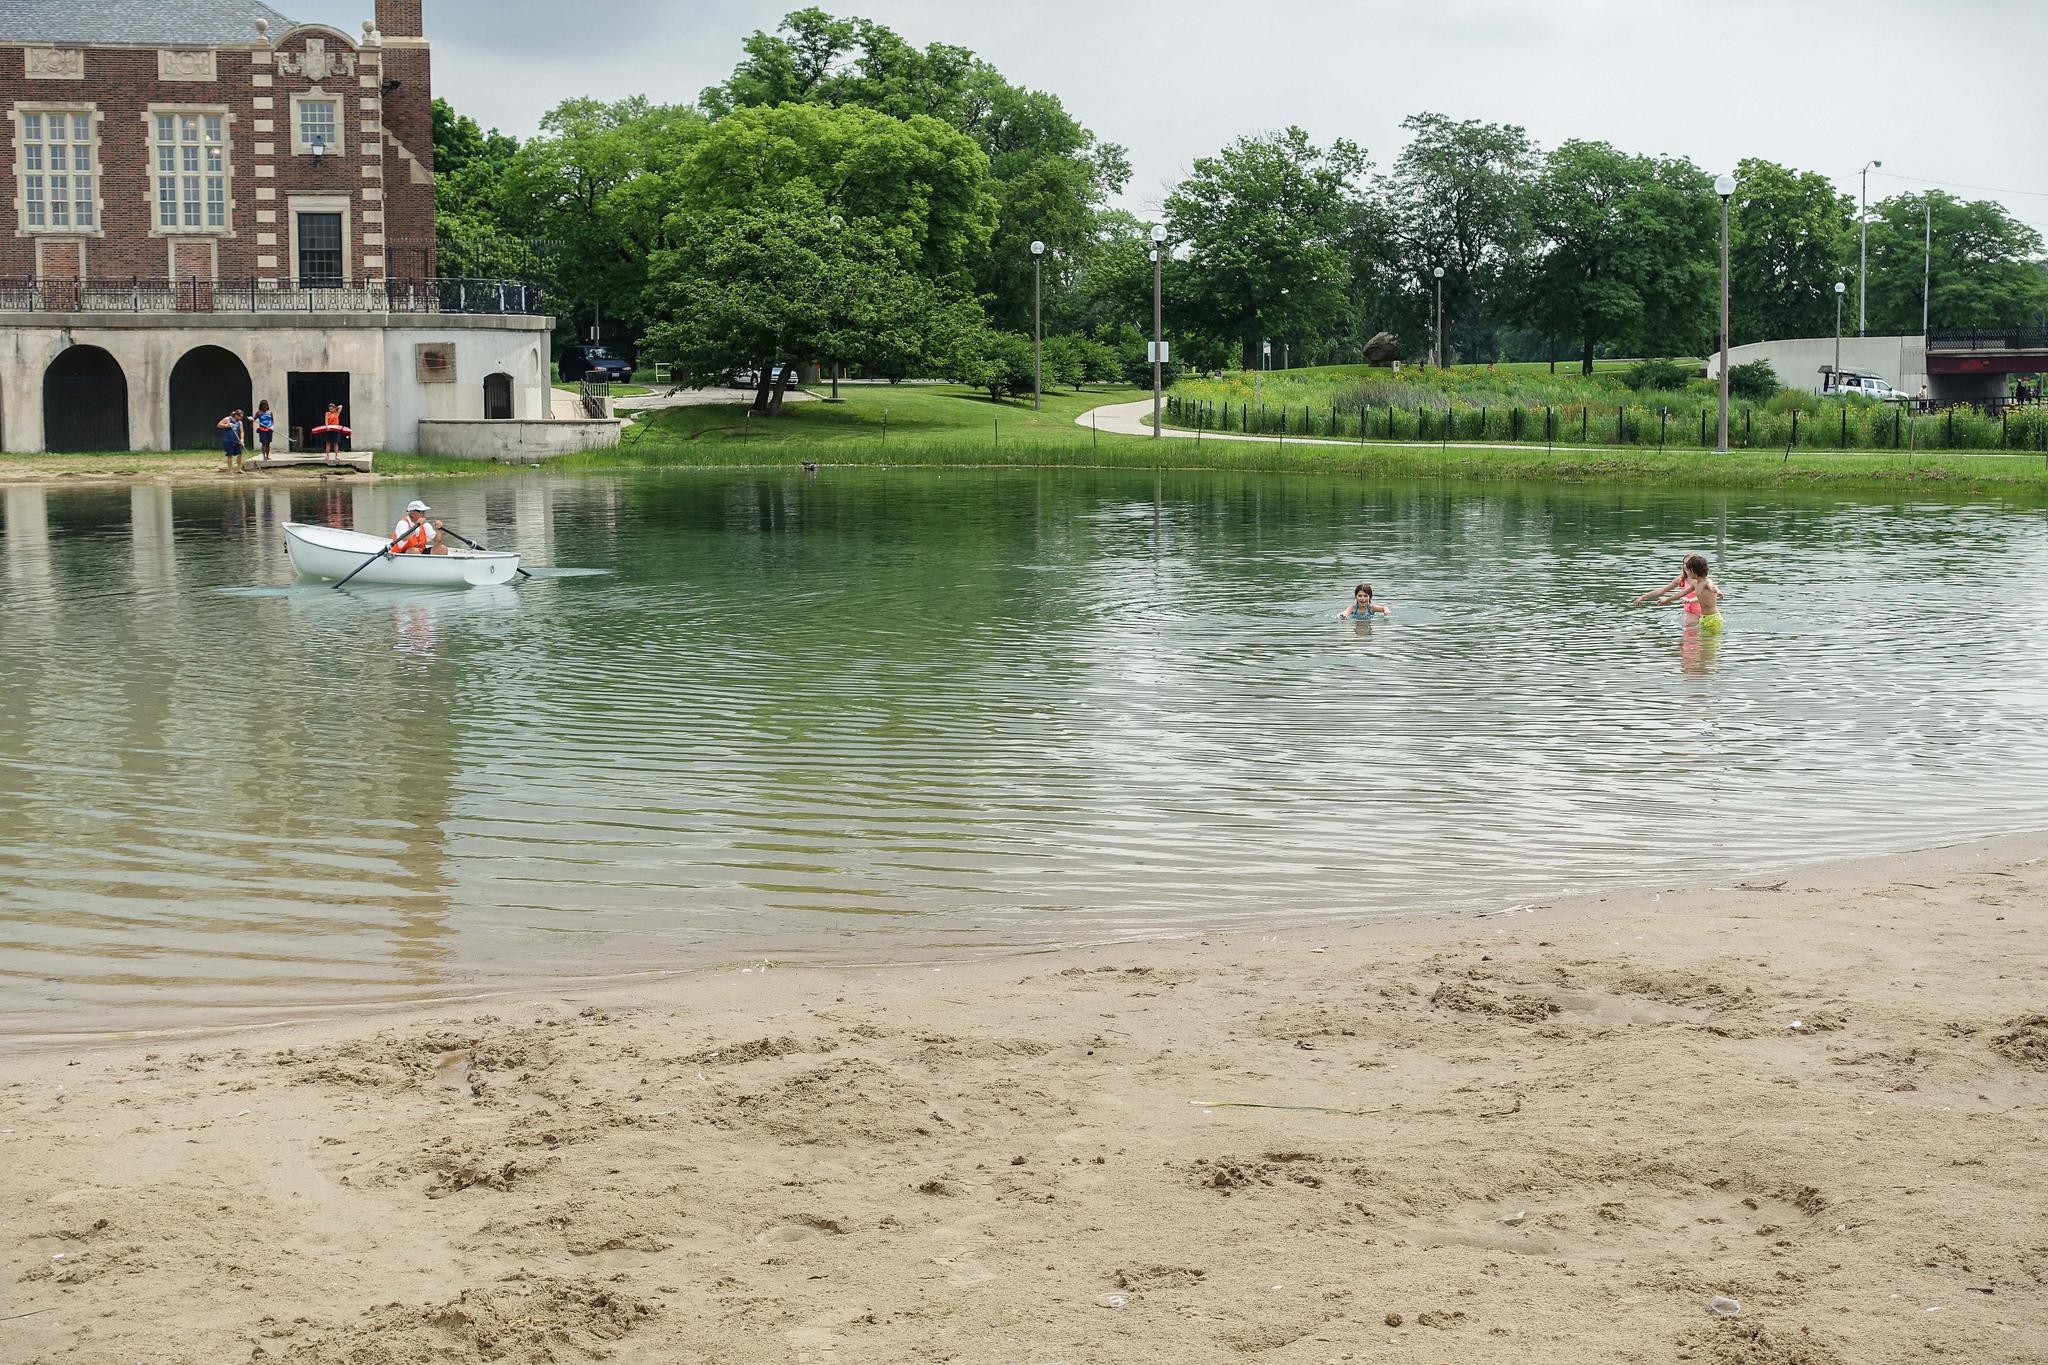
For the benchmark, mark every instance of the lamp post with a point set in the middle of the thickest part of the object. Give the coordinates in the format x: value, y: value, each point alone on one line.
x: 1863, y: 249
x: 1037, y: 330
x: 1158, y: 331
x: 1927, y: 263
x: 1840, y: 289
x: 1259, y: 375
x: 1724, y: 185
x: 1439, y: 338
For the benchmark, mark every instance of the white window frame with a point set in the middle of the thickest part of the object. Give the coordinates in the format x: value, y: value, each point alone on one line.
x: 339, y: 99
x: 178, y: 113
x: 68, y: 109
x: 322, y: 203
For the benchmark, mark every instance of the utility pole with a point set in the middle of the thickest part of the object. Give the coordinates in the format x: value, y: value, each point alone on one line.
x: 1439, y: 347
x: 1863, y: 252
x: 1927, y: 265
x: 1840, y: 289
x: 1158, y: 329
x: 1725, y: 187
x: 1037, y: 331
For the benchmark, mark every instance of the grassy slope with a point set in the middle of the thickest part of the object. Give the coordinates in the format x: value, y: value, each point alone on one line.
x: 914, y: 424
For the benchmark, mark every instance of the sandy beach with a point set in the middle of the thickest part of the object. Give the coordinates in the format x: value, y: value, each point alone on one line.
x: 1553, y: 1134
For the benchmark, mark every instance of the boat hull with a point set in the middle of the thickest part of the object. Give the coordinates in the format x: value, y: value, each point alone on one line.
x: 326, y: 554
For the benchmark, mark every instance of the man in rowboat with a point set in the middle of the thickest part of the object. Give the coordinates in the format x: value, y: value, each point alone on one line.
x: 415, y: 535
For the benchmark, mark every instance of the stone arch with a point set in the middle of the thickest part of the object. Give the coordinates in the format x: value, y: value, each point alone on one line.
x: 498, y: 396
x: 85, y: 401
x: 207, y: 384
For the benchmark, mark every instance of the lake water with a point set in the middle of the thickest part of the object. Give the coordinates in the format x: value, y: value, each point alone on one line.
x: 881, y: 714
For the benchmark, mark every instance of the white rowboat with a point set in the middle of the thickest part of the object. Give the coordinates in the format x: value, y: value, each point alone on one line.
x: 324, y: 552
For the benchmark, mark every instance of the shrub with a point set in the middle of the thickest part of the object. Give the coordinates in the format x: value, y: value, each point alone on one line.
x: 1755, y: 382
x: 1066, y: 361
x: 1787, y: 400
x: 1657, y: 374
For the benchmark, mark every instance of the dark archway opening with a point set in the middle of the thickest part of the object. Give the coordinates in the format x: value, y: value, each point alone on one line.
x: 85, y: 402
x: 498, y: 396
x: 207, y: 384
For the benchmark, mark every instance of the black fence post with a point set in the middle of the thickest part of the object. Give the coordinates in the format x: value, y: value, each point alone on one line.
x: 1746, y: 413
x: 1845, y: 428
x: 1703, y: 428
x: 1795, y: 428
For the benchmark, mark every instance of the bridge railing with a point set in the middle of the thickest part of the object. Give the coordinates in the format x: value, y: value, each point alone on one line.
x: 199, y: 294
x: 1989, y: 339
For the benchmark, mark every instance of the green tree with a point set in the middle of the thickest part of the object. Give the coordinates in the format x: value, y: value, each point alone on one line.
x: 1789, y: 232
x: 592, y: 196
x: 1263, y: 223
x: 472, y: 238
x: 1457, y: 197
x: 1627, y: 251
x: 1986, y: 269
x: 1049, y: 174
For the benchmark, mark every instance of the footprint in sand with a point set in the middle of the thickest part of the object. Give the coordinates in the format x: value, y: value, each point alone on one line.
x: 800, y: 1229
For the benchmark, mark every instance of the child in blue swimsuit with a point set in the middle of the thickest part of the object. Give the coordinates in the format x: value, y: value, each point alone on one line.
x: 1362, y: 606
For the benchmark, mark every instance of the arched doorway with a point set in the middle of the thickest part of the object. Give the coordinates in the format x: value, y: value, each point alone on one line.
x: 498, y: 396
x: 85, y: 402
x: 207, y: 384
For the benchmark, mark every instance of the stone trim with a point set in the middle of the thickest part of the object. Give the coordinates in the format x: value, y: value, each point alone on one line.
x: 186, y: 64
x: 53, y: 63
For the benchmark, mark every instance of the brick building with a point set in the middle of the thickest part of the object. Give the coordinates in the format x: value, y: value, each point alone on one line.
x: 209, y: 203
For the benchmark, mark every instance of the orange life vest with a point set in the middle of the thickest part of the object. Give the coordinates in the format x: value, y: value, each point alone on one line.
x: 413, y: 542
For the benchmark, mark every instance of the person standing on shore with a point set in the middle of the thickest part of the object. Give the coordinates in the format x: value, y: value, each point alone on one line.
x: 231, y: 439
x: 266, y: 427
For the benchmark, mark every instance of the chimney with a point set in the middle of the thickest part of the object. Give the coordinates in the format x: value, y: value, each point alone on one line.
x: 401, y: 19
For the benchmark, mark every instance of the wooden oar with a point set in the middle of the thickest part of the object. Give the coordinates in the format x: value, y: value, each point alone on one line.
x: 474, y: 546
x: 368, y: 562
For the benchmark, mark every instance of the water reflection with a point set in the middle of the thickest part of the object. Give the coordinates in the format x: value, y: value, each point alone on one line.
x: 943, y: 709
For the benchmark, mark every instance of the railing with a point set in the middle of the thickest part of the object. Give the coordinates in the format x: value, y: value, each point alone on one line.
x: 1989, y: 339
x: 197, y: 294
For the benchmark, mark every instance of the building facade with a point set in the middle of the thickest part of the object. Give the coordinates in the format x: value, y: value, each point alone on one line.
x: 209, y: 203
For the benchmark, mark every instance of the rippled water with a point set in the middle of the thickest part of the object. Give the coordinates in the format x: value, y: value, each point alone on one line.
x: 877, y: 713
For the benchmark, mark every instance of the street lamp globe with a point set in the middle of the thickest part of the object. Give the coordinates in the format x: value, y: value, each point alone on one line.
x: 1438, y: 272
x: 1158, y: 233
x: 1724, y: 185
x: 1840, y: 288
x: 1038, y: 248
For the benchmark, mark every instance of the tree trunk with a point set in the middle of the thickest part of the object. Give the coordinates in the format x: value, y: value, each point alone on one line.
x: 781, y: 387
x: 761, y: 388
x: 1552, y: 341
x: 1586, y: 356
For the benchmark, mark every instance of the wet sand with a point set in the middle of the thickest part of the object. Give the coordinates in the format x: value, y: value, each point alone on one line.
x: 1547, y: 1135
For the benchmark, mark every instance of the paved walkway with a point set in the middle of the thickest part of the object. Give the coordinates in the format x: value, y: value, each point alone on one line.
x: 1135, y: 419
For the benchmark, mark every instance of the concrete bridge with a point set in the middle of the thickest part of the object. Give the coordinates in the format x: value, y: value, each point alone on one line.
x: 1949, y: 366
x: 1975, y: 365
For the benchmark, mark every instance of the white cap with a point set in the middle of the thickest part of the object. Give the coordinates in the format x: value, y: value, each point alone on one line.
x: 415, y: 506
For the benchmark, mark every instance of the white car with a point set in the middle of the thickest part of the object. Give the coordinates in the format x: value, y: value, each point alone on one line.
x: 1868, y: 385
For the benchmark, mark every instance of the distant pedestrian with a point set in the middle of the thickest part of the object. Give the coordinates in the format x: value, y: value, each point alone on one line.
x: 231, y: 440
x: 266, y: 427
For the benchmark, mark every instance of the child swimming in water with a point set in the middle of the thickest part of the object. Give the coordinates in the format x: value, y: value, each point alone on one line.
x: 1362, y: 606
x: 1695, y: 587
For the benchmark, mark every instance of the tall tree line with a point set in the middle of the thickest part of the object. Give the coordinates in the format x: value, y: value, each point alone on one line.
x: 850, y: 199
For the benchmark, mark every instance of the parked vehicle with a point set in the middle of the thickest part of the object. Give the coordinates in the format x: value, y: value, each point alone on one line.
x: 1842, y: 383
x: 579, y: 362
x: 747, y: 379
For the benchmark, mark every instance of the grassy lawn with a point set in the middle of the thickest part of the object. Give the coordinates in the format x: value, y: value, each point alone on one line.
x: 943, y: 424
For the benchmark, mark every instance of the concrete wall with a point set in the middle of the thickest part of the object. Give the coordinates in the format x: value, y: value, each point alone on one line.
x: 1900, y: 361
x: 515, y: 442
x: 387, y: 400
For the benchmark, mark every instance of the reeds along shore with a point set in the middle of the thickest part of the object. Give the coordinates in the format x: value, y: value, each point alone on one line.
x: 1551, y: 1134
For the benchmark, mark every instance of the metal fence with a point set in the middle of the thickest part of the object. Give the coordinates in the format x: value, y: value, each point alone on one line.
x: 1989, y: 339
x: 196, y: 294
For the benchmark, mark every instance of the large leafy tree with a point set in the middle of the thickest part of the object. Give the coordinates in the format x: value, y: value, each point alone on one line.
x: 1985, y: 268
x: 1263, y: 224
x: 1457, y: 197
x: 1049, y: 175
x: 593, y: 194
x: 813, y: 232
x: 1627, y: 251
x: 472, y: 236
x: 1789, y: 232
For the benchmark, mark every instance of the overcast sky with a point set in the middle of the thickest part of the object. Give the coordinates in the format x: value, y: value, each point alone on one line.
x: 1943, y: 91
